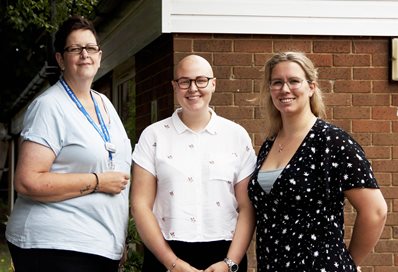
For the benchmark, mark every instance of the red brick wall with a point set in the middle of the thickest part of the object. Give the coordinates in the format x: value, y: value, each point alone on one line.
x: 353, y: 72
x: 154, y: 71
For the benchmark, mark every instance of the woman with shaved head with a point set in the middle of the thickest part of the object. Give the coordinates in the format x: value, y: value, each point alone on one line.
x: 190, y: 175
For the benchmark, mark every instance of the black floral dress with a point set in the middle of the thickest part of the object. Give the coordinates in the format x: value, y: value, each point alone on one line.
x: 300, y: 222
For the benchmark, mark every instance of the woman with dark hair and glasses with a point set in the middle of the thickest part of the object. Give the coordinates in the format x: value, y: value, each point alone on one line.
x: 72, y: 175
x: 190, y: 175
x: 306, y: 168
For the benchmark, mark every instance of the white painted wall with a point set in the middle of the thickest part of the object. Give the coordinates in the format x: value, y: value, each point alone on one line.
x: 295, y: 17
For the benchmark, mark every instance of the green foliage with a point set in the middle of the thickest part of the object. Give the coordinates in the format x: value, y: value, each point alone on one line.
x: 27, y: 27
x: 46, y: 15
x: 134, y: 249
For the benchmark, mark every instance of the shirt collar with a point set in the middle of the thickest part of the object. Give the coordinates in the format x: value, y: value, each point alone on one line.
x: 181, y: 127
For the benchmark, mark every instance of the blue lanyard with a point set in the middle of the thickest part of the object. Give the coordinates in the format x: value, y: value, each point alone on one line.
x: 103, y: 132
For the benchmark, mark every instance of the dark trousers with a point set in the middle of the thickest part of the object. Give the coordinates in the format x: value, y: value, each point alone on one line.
x: 51, y: 260
x: 199, y: 255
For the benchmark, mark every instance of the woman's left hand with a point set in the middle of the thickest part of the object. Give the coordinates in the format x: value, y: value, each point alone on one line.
x: 218, y: 267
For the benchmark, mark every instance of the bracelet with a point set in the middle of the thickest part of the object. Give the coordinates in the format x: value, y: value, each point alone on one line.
x: 173, y: 265
x: 97, y: 182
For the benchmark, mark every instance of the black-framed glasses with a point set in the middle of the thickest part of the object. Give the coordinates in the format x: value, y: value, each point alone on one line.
x: 292, y: 83
x: 200, y: 82
x: 78, y: 49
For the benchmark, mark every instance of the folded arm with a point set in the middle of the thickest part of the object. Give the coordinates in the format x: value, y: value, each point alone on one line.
x: 33, y: 178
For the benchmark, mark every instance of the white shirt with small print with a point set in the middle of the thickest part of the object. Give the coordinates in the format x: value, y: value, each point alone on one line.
x: 196, y: 173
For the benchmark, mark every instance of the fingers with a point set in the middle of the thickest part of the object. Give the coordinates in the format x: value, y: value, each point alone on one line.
x: 113, y: 182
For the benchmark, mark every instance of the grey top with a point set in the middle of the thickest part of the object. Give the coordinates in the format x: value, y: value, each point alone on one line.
x: 266, y: 179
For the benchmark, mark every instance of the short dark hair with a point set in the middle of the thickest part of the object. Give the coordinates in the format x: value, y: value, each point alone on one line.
x: 73, y: 23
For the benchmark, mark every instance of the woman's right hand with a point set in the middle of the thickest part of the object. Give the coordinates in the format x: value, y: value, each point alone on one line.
x: 182, y: 266
x: 112, y: 182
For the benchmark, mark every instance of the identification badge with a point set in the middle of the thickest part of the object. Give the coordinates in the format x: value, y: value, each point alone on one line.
x: 111, y: 165
x: 110, y: 147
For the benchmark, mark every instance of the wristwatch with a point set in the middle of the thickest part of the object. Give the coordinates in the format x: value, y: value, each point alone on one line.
x: 232, y: 267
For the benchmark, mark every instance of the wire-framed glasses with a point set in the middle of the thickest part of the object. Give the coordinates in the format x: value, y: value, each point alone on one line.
x: 78, y: 49
x: 292, y: 83
x: 200, y: 82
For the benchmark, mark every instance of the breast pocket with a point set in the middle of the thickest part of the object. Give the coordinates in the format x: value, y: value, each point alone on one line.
x: 222, y: 169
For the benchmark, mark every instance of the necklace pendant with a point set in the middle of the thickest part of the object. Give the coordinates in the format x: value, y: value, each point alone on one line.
x: 280, y: 148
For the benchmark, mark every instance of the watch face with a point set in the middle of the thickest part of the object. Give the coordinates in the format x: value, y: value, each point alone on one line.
x: 234, y: 268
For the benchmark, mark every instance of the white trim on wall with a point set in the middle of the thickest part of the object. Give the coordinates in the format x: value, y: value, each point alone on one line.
x: 300, y: 17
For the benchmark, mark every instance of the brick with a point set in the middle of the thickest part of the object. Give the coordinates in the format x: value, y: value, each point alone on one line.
x: 221, y: 99
x: 380, y: 59
x: 370, y: 126
x: 370, y: 73
x: 235, y: 113
x: 244, y: 99
x: 379, y: 259
x: 332, y: 46
x: 233, y: 59
x: 383, y: 179
x: 386, y: 246
x: 384, y: 86
x: 351, y: 112
x: 289, y: 45
x: 321, y: 60
x: 395, y: 127
x: 233, y: 85
x: 223, y: 72
x: 386, y: 166
x: 351, y: 60
x: 212, y: 45
x: 384, y: 113
x: 387, y: 139
x: 370, y: 100
x: 344, y: 124
x: 183, y: 45
x: 333, y: 73
x: 352, y: 86
x: 254, y: 45
x: 363, y: 139
x: 261, y: 58
x: 374, y: 46
x: 377, y: 152
x: 337, y: 99
x: 384, y: 269
x: 253, y: 125
x: 246, y: 72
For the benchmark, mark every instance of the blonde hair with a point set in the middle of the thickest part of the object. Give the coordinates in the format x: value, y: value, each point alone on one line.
x: 271, y: 114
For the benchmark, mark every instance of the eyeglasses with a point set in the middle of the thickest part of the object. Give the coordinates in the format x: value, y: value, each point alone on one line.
x: 200, y: 82
x: 292, y: 83
x: 78, y: 49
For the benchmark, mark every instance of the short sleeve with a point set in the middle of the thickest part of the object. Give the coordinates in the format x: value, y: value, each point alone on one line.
x: 144, y: 151
x: 350, y: 164
x: 43, y: 123
x: 248, y: 156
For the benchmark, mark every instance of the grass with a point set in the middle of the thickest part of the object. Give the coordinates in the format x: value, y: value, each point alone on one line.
x: 5, y: 258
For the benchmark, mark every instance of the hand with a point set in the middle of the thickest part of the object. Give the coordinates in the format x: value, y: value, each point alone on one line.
x: 112, y: 182
x: 218, y: 267
x: 182, y: 266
